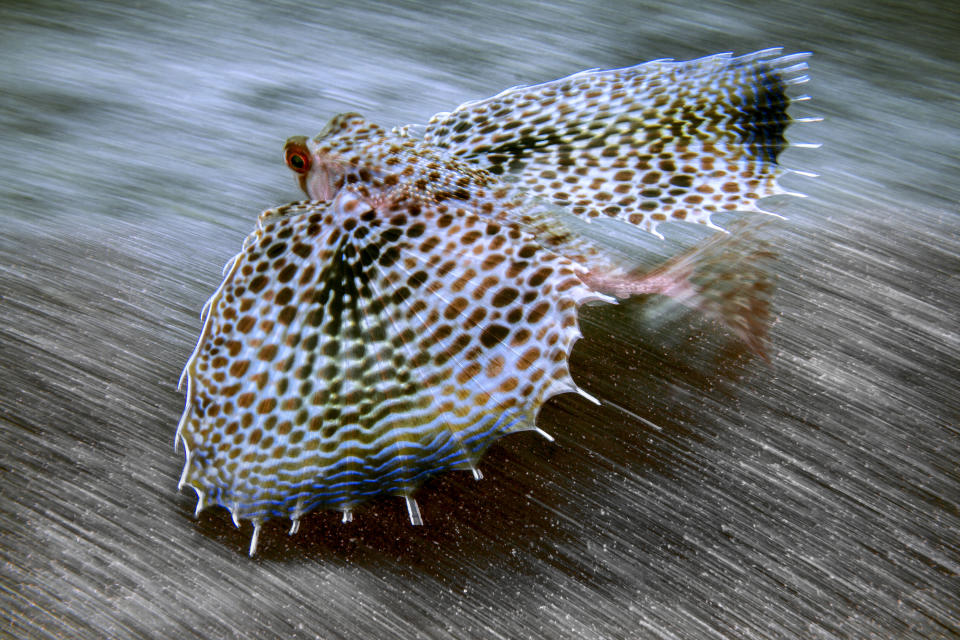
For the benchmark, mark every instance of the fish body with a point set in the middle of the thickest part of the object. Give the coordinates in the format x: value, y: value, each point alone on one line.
x: 423, y: 302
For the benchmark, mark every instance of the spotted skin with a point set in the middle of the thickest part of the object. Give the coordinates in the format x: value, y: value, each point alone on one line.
x: 423, y: 302
x: 659, y: 141
x: 351, y: 353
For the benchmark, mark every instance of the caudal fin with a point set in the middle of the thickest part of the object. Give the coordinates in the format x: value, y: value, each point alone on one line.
x: 728, y: 278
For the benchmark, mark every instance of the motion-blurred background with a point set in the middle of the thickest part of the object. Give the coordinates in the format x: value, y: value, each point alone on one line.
x: 711, y: 496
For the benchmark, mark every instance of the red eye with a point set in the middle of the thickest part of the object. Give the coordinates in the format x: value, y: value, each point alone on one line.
x: 297, y: 162
x: 297, y: 155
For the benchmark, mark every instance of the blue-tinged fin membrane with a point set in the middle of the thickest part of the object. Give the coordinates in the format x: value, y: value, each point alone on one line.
x: 384, y: 474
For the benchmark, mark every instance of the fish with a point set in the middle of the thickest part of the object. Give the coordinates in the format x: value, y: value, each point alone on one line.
x: 421, y: 302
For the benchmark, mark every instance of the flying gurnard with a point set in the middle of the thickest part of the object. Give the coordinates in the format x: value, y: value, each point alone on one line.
x: 422, y: 302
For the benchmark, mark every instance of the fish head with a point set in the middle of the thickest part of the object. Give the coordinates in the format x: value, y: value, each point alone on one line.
x: 324, y: 163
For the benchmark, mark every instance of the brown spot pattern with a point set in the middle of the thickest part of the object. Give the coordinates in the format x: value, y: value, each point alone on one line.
x: 375, y: 358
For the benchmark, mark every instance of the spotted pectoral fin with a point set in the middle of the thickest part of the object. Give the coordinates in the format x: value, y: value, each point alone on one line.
x: 354, y: 351
x: 658, y: 141
x: 505, y: 306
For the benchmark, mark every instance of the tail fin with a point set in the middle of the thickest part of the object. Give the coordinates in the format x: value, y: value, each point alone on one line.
x: 658, y: 141
x: 727, y: 278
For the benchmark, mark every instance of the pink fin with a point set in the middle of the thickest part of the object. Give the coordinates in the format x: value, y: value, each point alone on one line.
x: 727, y: 278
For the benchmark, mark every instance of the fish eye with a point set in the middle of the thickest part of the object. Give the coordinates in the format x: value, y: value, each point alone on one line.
x: 297, y: 155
